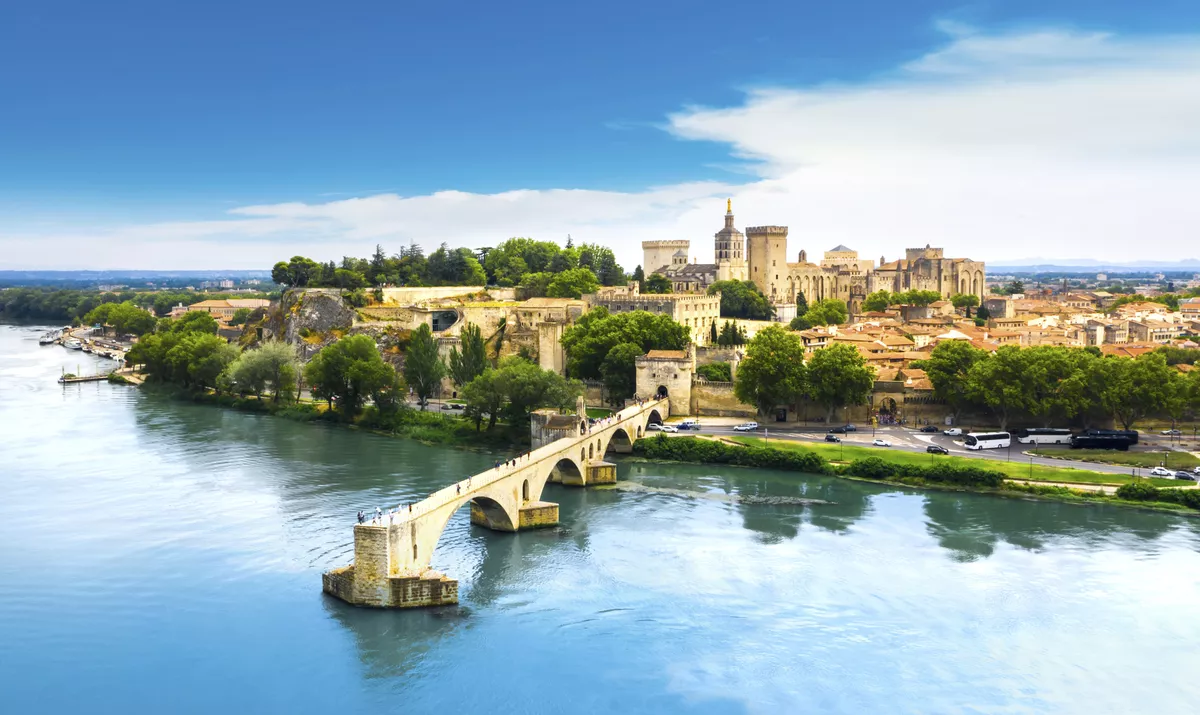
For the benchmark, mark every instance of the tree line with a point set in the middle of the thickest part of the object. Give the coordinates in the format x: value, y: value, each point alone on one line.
x: 73, y: 306
x: 1049, y: 385
x: 543, y: 268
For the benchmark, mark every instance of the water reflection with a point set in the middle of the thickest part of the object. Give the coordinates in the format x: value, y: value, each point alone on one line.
x: 970, y: 526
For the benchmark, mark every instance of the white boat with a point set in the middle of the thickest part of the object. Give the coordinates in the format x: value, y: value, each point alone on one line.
x: 73, y: 344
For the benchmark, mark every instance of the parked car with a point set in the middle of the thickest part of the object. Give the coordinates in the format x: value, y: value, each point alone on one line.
x: 929, y: 428
x: 447, y: 406
x: 1185, y: 476
x: 937, y: 449
x: 1196, y: 471
x: 832, y: 438
x: 953, y: 432
x: 881, y: 442
x: 746, y: 427
x: 654, y: 427
x: 1172, y: 432
x: 1161, y: 472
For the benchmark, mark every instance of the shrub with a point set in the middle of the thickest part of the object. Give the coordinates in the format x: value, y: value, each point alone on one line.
x: 943, y: 472
x: 690, y: 449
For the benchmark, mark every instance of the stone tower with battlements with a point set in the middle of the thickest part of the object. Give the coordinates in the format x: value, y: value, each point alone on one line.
x: 767, y: 258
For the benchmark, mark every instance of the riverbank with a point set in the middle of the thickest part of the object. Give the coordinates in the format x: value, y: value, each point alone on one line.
x: 942, y: 474
x: 431, y: 428
x: 1015, y: 470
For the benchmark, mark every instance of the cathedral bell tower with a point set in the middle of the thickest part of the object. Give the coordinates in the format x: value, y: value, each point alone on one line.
x: 729, y: 249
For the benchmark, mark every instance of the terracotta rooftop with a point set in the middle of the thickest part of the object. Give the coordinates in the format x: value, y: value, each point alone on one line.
x: 667, y: 354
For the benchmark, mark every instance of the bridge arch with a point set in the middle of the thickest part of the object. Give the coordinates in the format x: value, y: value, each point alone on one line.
x: 497, y: 516
x: 654, y: 418
x: 619, y: 441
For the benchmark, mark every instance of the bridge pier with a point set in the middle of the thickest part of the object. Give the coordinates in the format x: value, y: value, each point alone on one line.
x: 533, y: 515
x: 370, y: 582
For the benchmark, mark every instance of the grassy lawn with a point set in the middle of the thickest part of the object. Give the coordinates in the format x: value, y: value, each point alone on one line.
x: 1174, y: 460
x: 1014, y: 469
x: 598, y: 412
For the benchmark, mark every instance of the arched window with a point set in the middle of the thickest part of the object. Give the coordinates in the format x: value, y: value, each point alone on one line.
x: 525, y: 490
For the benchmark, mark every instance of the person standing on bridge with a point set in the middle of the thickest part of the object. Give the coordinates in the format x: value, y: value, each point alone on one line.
x: 458, y: 488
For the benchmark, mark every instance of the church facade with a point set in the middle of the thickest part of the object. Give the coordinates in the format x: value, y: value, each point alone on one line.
x: 760, y: 255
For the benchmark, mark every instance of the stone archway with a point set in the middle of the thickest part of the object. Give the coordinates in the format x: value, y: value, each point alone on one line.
x: 566, y: 471
x: 620, y: 442
x: 654, y: 418
x: 488, y: 512
x: 661, y: 392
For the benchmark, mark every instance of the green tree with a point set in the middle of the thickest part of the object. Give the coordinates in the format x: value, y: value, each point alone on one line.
x: 1131, y: 390
x: 122, y: 317
x: 838, y: 376
x: 917, y: 297
x: 597, y: 331
x: 877, y: 301
x: 528, y: 387
x: 619, y: 371
x: 423, y: 367
x: 348, y: 280
x: 965, y: 301
x: 827, y: 311
x: 572, y: 284
x: 273, y: 364
x: 947, y: 368
x: 196, y: 321
x: 982, y: 313
x: 484, y: 397
x: 715, y: 372
x: 297, y: 272
x: 240, y: 316
x: 1014, y: 287
x: 1052, y: 396
x: 799, y: 323
x: 742, y: 299
x: 773, y: 371
x: 657, y: 283
x: 640, y: 276
x: 536, y: 284
x: 997, y: 382
x: 510, y: 260
x: 349, y: 372
x: 801, y: 303
x: 602, y: 262
x: 465, y: 366
x: 712, y: 333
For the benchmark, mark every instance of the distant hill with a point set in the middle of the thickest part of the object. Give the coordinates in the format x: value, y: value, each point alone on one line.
x: 128, y: 277
x: 1044, y: 265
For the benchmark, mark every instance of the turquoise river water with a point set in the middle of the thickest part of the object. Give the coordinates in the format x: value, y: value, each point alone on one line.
x: 162, y: 556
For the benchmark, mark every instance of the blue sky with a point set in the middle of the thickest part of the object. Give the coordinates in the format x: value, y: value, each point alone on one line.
x: 238, y: 132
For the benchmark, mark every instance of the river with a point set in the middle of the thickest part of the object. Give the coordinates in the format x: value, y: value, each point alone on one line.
x: 167, y: 556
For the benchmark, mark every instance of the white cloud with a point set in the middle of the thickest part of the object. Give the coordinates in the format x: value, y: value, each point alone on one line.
x: 1051, y: 143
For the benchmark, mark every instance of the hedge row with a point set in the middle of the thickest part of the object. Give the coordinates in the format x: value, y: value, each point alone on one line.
x: 1140, y: 491
x: 877, y: 468
x: 690, y: 449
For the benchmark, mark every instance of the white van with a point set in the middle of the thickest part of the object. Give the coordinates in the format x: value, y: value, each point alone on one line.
x: 689, y: 423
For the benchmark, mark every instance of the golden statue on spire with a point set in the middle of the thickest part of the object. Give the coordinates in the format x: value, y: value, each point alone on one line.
x: 728, y: 206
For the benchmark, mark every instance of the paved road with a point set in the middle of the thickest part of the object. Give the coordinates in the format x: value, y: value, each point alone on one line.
x: 910, y: 440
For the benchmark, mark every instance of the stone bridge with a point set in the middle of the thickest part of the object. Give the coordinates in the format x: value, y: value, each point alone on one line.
x: 392, y: 556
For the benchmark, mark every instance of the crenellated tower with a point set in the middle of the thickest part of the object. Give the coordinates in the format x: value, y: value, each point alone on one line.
x: 767, y: 259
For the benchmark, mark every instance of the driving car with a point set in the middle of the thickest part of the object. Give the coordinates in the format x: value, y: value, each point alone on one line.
x: 937, y: 449
x: 843, y: 429
x: 1196, y: 471
x: 689, y: 424
x: 953, y: 432
x: 746, y: 427
x: 1173, y: 432
x: 929, y: 428
x: 1185, y: 476
x: 654, y: 427
x: 881, y: 442
x: 1161, y: 472
x: 832, y: 438
x: 668, y: 428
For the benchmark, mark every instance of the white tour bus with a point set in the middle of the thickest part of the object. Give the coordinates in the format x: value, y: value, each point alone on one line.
x: 988, y: 440
x: 1044, y: 435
